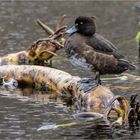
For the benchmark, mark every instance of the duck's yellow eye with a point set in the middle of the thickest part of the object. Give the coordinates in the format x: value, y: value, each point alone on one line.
x: 81, y: 22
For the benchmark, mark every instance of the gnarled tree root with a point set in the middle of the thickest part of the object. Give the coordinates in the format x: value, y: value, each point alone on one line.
x: 41, y: 50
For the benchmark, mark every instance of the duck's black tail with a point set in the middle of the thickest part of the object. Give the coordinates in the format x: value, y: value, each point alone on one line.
x: 125, y: 65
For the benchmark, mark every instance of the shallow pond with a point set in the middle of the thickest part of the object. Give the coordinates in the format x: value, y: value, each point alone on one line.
x: 27, y: 114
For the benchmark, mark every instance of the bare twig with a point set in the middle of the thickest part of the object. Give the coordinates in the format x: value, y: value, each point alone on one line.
x: 60, y: 22
x: 45, y: 27
x: 59, y: 26
x: 63, y: 28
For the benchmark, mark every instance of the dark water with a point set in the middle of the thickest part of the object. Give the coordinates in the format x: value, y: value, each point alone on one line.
x: 24, y: 113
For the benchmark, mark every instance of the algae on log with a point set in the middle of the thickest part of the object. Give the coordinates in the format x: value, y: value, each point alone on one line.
x: 83, y: 93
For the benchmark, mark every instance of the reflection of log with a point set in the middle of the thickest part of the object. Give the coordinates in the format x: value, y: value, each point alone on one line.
x: 80, y: 92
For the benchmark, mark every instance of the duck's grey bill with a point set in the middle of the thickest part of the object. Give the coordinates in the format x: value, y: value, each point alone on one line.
x: 71, y: 30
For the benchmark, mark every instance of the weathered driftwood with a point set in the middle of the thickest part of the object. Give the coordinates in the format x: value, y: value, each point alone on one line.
x: 40, y: 51
x: 83, y: 93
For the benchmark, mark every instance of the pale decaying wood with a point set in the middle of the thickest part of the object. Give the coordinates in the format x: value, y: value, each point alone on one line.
x: 84, y: 93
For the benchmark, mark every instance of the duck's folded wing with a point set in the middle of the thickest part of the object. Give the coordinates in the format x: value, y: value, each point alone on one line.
x: 103, y: 45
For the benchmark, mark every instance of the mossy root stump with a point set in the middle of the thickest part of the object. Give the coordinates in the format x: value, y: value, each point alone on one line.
x: 41, y: 51
x: 82, y: 93
x: 38, y: 53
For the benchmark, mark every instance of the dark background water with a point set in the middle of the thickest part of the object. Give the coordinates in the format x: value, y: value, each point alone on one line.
x: 21, y: 116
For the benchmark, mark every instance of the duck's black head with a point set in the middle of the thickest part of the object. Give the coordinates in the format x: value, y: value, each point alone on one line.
x: 84, y: 25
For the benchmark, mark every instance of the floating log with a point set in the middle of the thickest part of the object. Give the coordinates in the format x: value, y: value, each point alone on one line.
x: 82, y: 93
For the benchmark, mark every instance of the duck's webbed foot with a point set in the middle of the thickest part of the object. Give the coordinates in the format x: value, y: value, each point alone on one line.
x: 98, y: 79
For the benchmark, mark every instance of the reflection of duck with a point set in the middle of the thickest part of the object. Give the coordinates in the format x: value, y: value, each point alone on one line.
x: 91, y: 51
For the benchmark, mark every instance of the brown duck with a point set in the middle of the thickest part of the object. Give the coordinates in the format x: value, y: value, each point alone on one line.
x: 92, y: 52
